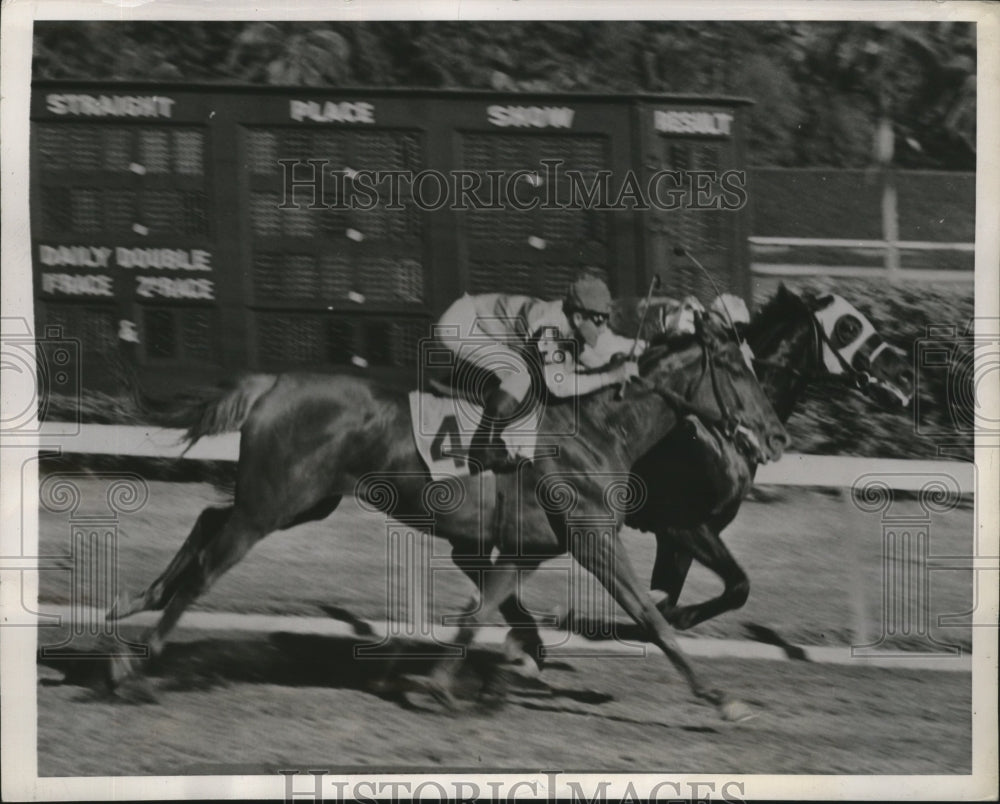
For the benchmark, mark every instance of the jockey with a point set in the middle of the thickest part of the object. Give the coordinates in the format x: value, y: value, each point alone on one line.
x: 492, y: 329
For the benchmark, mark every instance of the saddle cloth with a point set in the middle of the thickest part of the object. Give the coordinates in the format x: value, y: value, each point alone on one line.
x: 443, y: 428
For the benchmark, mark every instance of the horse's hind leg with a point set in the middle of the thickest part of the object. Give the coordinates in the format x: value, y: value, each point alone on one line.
x: 208, y: 525
x: 498, y: 583
x: 523, y: 642
x: 523, y: 645
x: 160, y: 591
x: 207, y: 560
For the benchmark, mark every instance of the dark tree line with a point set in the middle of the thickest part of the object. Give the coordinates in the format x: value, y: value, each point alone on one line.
x: 820, y: 88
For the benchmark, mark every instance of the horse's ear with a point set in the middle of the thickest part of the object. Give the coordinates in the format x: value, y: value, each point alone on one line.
x: 821, y: 302
x: 783, y: 292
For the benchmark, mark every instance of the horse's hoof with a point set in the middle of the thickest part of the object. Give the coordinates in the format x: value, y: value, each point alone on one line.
x: 733, y: 711
x: 121, y: 669
x: 680, y: 618
x: 493, y: 693
x: 525, y: 667
x: 521, y: 659
x: 442, y: 694
x: 136, y: 690
x: 671, y: 613
x: 126, y: 681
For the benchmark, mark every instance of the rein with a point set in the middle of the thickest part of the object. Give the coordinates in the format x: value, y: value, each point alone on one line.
x: 720, y: 418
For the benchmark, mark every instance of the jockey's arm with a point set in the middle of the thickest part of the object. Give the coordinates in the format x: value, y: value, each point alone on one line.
x: 608, y: 345
x: 614, y: 343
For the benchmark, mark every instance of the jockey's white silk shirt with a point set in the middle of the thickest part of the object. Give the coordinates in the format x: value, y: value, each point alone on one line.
x: 522, y: 317
x: 525, y: 318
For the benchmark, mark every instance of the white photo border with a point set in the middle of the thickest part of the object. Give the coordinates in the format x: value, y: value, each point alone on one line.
x: 20, y: 517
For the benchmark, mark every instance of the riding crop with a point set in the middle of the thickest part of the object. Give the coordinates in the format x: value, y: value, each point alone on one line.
x: 653, y: 285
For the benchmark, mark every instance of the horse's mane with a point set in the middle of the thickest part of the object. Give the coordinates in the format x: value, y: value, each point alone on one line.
x: 782, y: 304
x: 713, y: 331
x: 664, y: 343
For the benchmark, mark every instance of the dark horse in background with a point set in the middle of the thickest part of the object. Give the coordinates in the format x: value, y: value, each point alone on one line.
x: 795, y: 341
x: 307, y: 440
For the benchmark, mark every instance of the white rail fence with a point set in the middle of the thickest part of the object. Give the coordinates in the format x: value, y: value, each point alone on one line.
x: 890, y: 270
x: 895, y: 194
x: 792, y: 470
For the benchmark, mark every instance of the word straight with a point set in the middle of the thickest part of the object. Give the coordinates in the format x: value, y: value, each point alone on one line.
x: 110, y: 105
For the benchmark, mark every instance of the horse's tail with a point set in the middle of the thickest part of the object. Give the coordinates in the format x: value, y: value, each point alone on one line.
x: 223, y: 409
x: 200, y: 412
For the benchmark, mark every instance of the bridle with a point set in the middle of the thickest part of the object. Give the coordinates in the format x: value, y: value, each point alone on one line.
x: 729, y: 424
x: 858, y: 378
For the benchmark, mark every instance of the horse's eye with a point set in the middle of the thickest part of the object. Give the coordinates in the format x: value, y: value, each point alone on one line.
x: 845, y: 331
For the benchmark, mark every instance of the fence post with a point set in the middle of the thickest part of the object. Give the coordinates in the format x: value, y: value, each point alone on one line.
x: 883, y: 147
x: 890, y: 222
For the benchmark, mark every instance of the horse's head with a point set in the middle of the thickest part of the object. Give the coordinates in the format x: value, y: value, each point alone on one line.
x: 808, y: 337
x: 852, y: 348
x: 713, y: 373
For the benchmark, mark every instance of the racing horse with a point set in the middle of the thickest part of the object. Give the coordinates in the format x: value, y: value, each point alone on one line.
x: 795, y: 341
x: 694, y: 495
x: 308, y: 439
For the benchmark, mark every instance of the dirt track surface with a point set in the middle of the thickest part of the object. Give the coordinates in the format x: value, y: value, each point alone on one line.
x: 280, y: 702
x: 258, y: 703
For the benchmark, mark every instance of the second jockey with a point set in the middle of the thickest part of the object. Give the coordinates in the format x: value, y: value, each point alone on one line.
x: 492, y: 330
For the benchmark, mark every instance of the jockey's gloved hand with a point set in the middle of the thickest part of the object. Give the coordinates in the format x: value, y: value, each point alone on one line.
x: 617, y: 359
x: 625, y: 371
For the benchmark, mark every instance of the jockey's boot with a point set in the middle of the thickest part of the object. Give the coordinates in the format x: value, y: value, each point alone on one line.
x: 487, y: 450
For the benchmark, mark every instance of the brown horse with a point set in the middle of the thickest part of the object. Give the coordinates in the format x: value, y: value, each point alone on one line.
x: 307, y: 440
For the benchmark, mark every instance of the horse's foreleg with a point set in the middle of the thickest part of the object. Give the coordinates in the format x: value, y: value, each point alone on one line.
x: 707, y: 546
x: 602, y: 554
x: 160, y: 591
x: 671, y: 567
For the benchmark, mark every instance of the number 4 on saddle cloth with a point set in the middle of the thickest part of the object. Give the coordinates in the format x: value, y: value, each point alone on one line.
x: 447, y: 409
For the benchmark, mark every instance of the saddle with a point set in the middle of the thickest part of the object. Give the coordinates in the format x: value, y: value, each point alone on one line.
x: 463, y: 381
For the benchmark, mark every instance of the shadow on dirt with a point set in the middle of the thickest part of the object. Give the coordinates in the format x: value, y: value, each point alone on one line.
x: 392, y: 670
